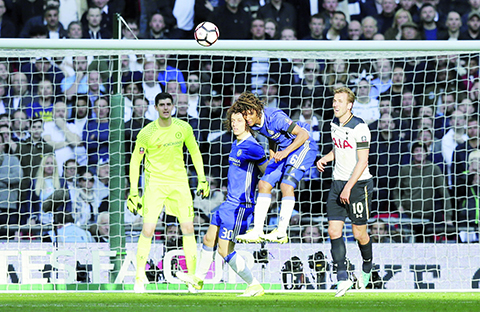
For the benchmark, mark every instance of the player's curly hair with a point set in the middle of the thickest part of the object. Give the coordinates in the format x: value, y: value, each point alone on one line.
x: 247, y: 101
x: 227, y: 123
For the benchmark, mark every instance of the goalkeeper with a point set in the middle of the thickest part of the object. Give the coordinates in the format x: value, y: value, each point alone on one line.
x: 166, y: 182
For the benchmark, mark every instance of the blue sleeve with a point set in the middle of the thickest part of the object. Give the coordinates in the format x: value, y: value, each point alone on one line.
x: 256, y: 153
x: 281, y: 121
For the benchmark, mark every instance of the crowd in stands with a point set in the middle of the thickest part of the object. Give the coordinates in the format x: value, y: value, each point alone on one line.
x: 422, y: 111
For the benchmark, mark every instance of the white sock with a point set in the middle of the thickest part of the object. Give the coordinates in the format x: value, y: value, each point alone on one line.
x: 238, y: 264
x: 288, y: 203
x: 205, y: 261
x: 261, y: 209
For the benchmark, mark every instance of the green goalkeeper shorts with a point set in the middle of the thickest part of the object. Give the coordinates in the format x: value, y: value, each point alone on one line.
x: 177, y: 200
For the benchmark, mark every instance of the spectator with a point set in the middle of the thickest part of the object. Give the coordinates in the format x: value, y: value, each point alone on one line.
x: 50, y: 20
x: 364, y: 106
x: 410, y: 31
x: 10, y: 177
x: 156, y: 28
x: 271, y: 97
x: 74, y: 30
x: 86, y: 204
x: 329, y: 8
x: 309, y: 87
x: 19, y: 96
x: 385, y: 152
x: 151, y: 87
x: 135, y: 124
x: 79, y: 115
x: 70, y: 172
x: 76, y: 83
x: 193, y: 91
x: 370, y: 28
x: 428, y: 15
x: 42, y: 68
x: 474, y: 5
x: 398, y: 87
x: 422, y: 194
x: 44, y: 184
x: 380, y: 233
x: 311, y: 235
x: 132, y: 31
x: 288, y: 33
x: 461, y: 154
x: 167, y: 73
x: 96, y: 88
x: 65, y: 231
x: 395, y: 32
x: 93, y: 27
x: 62, y: 136
x: 257, y: 29
x: 232, y: 21
x: 433, y: 145
x: 42, y: 106
x: 281, y: 11
x: 32, y: 150
x: 130, y: 90
x: 20, y: 126
x: 453, y: 24
x: 387, y: 17
x: 7, y: 27
x: 101, y: 230
x: 455, y: 135
x: 336, y: 31
x: 271, y: 29
x: 317, y: 26
x: 473, y: 23
x: 383, y: 80
x: 467, y: 214
x: 354, y: 30
x: 107, y: 9
x: 96, y: 132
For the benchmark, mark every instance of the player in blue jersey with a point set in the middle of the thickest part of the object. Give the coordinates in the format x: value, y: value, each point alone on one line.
x: 352, y: 187
x: 233, y: 217
x: 292, y: 152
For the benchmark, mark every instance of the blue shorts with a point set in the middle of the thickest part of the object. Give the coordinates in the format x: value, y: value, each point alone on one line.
x: 290, y: 170
x: 232, y: 219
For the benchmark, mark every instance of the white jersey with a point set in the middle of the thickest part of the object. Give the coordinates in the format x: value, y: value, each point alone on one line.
x: 353, y: 135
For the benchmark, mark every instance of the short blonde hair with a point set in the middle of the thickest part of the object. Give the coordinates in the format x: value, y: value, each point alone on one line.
x: 350, y: 95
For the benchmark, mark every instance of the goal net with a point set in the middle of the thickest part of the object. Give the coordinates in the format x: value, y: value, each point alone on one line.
x: 71, y: 109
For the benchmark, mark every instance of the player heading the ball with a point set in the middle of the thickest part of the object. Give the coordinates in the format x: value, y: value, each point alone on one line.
x: 292, y: 152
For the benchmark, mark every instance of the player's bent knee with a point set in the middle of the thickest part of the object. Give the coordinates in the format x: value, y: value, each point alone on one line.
x: 334, y: 233
x: 208, y: 240
x: 264, y: 187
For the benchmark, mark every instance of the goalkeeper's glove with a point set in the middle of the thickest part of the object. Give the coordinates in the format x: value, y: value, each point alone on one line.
x: 133, y: 204
x: 203, y: 189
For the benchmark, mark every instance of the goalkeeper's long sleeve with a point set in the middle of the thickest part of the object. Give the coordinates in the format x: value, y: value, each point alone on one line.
x: 134, y: 173
x: 197, y: 160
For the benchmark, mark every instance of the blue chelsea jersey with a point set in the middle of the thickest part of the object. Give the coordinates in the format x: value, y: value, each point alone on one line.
x: 276, y: 126
x: 243, y: 171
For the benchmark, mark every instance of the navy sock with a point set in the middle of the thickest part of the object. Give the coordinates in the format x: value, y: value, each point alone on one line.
x: 367, y: 255
x: 338, y: 254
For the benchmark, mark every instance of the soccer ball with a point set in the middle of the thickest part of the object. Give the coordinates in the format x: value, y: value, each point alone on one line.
x: 206, y: 34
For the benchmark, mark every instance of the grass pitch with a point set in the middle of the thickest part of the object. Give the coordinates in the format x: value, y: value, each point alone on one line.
x: 206, y: 302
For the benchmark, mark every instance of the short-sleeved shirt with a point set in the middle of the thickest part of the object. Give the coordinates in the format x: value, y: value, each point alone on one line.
x: 348, y: 138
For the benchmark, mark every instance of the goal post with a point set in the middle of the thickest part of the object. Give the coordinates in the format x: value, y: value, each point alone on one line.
x: 435, y: 248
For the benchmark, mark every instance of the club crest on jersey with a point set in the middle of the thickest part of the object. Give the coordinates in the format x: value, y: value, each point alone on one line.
x: 239, y: 152
x: 141, y: 150
x: 364, y: 138
x: 178, y: 135
x: 270, y: 132
x: 339, y: 143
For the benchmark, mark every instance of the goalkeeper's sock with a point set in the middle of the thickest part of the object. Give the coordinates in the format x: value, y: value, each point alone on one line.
x: 288, y: 203
x: 261, y: 210
x: 190, y: 251
x: 238, y: 264
x: 207, y: 255
x: 143, y: 250
x: 367, y: 255
x: 338, y: 255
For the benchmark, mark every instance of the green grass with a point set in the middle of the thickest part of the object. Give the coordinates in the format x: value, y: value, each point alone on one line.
x: 206, y: 302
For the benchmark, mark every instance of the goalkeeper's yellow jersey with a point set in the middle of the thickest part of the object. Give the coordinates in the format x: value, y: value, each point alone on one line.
x: 162, y: 148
